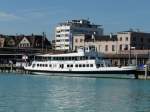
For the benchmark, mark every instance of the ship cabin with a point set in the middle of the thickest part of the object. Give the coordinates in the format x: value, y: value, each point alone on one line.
x: 79, y: 59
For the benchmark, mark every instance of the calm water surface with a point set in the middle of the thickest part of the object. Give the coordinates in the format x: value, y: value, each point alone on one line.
x: 24, y: 93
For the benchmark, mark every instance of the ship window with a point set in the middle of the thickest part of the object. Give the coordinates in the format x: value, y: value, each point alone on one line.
x: 76, y: 65
x: 37, y: 65
x: 86, y: 57
x: 63, y: 58
x: 83, y: 65
x: 69, y: 58
x: 80, y: 58
x: 91, y: 65
x: 40, y: 65
x: 87, y: 65
x: 80, y: 65
x: 50, y: 65
x: 98, y: 65
x: 83, y: 58
x: 91, y: 57
x: 102, y: 65
x: 76, y: 58
x: 71, y: 65
x: 49, y: 58
x: 67, y: 65
x: 66, y: 58
x: 33, y: 65
x: 73, y: 58
x: 45, y: 65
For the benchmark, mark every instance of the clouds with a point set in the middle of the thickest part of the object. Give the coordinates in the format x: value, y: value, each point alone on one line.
x: 4, y: 16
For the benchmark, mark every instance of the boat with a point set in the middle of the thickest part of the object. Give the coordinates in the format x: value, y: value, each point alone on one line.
x: 83, y: 63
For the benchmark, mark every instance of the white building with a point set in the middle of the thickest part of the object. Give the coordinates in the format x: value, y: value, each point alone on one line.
x: 64, y: 32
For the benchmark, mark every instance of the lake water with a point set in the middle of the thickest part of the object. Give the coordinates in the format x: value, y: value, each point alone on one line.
x: 32, y: 93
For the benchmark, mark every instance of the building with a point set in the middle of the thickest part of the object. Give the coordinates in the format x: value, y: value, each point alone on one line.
x: 106, y: 44
x: 33, y: 41
x: 122, y: 48
x: 64, y: 32
x: 128, y: 40
x: 53, y: 44
x: 2, y: 40
x: 24, y: 43
x: 123, y: 41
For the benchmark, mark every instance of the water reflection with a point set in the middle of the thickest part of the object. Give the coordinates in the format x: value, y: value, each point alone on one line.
x: 66, y: 94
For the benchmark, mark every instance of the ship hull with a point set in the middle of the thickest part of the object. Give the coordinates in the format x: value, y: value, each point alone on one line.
x: 107, y: 74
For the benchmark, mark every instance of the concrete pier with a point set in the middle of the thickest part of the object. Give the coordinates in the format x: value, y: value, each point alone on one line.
x: 143, y: 74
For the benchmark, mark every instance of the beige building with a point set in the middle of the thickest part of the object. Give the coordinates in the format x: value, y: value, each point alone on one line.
x: 2, y: 40
x: 123, y: 48
x: 114, y: 44
x: 104, y: 44
x: 79, y: 41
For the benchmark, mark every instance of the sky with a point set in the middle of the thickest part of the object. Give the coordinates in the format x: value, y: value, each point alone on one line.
x: 37, y: 16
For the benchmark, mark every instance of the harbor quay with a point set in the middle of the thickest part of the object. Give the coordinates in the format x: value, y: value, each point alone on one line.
x: 14, y: 63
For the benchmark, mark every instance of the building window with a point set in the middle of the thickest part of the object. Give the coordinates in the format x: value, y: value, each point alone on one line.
x: 81, y: 40
x: 149, y: 40
x: 66, y: 40
x: 120, y: 47
x: 120, y: 38
x: 113, y: 47
x: 76, y: 40
x: 66, y: 35
x: 134, y: 39
x: 76, y: 47
x: 142, y: 40
x: 126, y: 38
x: 106, y: 48
x: 57, y: 35
x: 99, y: 47
x: 126, y: 47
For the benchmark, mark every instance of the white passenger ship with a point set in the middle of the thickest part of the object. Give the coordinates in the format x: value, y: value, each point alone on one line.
x: 86, y: 63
